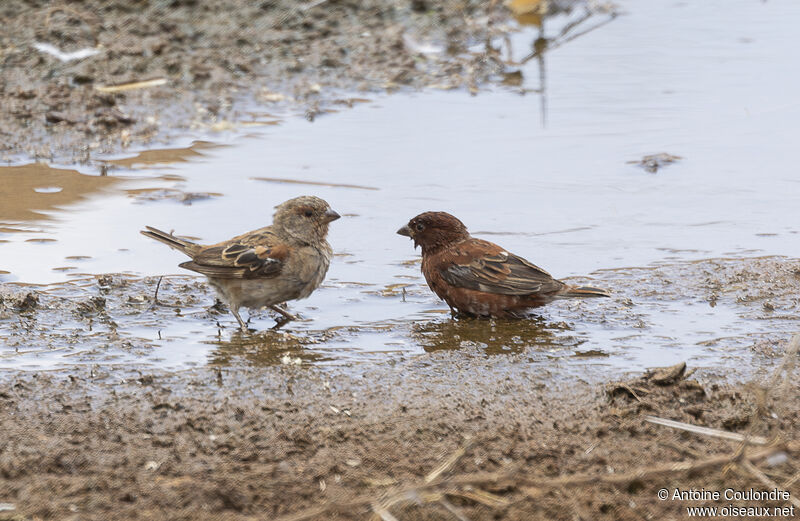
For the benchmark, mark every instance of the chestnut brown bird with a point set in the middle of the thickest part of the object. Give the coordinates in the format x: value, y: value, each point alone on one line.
x: 285, y: 261
x: 479, y: 278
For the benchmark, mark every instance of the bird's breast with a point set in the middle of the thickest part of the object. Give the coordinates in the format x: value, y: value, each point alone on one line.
x: 311, y: 266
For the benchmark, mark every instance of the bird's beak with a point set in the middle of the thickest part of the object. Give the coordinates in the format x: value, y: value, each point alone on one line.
x: 331, y: 216
x: 405, y: 230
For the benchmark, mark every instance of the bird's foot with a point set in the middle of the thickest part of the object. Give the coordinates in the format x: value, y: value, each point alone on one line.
x: 456, y: 314
x: 282, y: 321
x: 288, y: 317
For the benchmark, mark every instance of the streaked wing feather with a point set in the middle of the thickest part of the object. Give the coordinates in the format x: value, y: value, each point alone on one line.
x: 502, y: 274
x: 255, y: 255
x: 233, y: 250
x: 222, y: 272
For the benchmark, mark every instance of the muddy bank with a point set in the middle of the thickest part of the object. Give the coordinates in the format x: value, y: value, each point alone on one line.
x: 726, y: 314
x: 150, y: 68
x: 444, y: 431
x: 486, y: 421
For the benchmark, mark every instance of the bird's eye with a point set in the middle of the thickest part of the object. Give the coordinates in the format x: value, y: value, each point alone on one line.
x: 420, y: 227
x: 308, y: 213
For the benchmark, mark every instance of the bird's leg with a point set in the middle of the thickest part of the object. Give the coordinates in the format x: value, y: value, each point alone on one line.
x: 283, y: 312
x: 453, y: 312
x: 282, y: 321
x: 242, y: 325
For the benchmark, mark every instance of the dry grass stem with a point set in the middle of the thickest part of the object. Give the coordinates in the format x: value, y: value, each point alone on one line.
x: 448, y: 463
x: 131, y: 86
x: 707, y: 431
x: 763, y: 478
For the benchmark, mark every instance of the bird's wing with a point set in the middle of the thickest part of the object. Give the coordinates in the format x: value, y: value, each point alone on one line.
x: 259, y: 254
x: 484, y: 266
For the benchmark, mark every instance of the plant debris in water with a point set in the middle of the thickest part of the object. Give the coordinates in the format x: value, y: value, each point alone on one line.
x: 654, y: 162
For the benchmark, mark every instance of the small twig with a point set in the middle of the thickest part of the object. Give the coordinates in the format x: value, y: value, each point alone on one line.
x: 559, y: 42
x: 789, y: 359
x: 763, y: 393
x: 312, y: 5
x: 415, y: 495
x: 788, y: 366
x: 453, y: 510
x: 679, y: 448
x: 520, y: 481
x: 158, y: 286
x: 707, y: 431
x: 385, y: 515
x: 131, y: 86
x: 791, y: 481
x: 448, y: 463
x: 687, y: 466
x: 155, y: 303
x: 763, y: 478
x: 630, y: 390
x: 480, y: 496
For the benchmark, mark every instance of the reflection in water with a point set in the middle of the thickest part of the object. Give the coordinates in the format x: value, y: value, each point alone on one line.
x: 494, y: 336
x: 143, y: 195
x: 164, y: 156
x: 29, y: 192
x: 313, y: 183
x: 32, y: 192
x: 576, y: 14
x: 264, y: 349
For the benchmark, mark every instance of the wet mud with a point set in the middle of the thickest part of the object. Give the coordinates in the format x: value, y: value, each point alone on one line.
x: 268, y: 427
x: 487, y: 435
x: 730, y: 312
x: 82, y: 80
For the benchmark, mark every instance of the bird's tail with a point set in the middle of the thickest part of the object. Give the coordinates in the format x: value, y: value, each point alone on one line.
x: 182, y: 245
x: 583, y: 291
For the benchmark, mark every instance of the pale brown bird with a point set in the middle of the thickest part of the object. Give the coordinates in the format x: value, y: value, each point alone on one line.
x: 285, y: 261
x: 478, y: 277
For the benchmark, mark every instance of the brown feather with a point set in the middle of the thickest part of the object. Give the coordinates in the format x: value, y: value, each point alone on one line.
x: 479, y: 277
x: 583, y: 291
x: 182, y: 245
x: 285, y: 261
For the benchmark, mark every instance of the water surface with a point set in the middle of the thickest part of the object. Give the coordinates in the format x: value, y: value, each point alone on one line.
x: 544, y: 172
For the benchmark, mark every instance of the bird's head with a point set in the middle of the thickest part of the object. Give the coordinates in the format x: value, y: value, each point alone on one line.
x: 305, y: 218
x: 434, y: 230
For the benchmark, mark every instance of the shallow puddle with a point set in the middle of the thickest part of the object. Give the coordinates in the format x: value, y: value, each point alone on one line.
x: 545, y: 166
